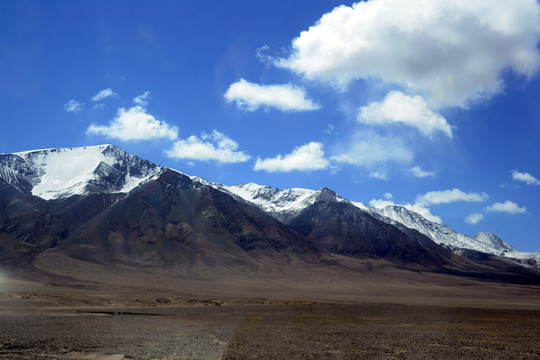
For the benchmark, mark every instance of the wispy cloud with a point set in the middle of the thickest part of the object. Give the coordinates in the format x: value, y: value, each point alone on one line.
x: 209, y: 147
x: 370, y: 150
x: 525, y: 177
x: 508, y: 206
x: 142, y: 100
x: 103, y: 94
x: 306, y: 158
x: 379, y: 175
x: 73, y: 106
x: 418, y: 172
x: 135, y: 124
x: 474, y: 219
x: 411, y: 111
x: 436, y: 48
x: 250, y: 97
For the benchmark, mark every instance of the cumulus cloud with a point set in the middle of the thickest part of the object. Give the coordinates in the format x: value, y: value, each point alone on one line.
x: 209, y: 147
x: 142, y: 100
x: 306, y: 158
x: 451, y: 52
x: 525, y: 177
x: 509, y: 207
x: 135, y: 124
x: 474, y: 219
x: 250, y: 97
x: 103, y: 94
x: 381, y: 203
x: 450, y: 196
x: 411, y: 111
x: 418, y: 172
x: 369, y: 149
x: 73, y: 106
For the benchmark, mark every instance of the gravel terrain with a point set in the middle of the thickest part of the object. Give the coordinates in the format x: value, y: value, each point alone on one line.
x: 189, y: 334
x: 293, y: 331
x: 377, y: 331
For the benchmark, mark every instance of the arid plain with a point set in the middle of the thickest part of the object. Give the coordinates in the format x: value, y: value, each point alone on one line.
x: 63, y: 308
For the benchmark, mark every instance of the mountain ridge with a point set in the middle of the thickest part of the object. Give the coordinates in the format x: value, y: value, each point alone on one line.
x: 61, y: 172
x: 393, y: 214
x: 65, y: 191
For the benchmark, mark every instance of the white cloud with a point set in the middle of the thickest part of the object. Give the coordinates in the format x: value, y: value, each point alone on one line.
x: 450, y: 196
x: 209, y: 147
x: 262, y: 56
x: 307, y: 158
x: 388, y: 195
x: 474, y: 219
x: 507, y: 207
x: 103, y: 94
x: 381, y: 203
x: 451, y: 52
x: 73, y: 106
x: 250, y: 97
x: 369, y: 149
x: 142, y: 100
x: 135, y: 124
x: 418, y: 172
x: 380, y: 175
x: 411, y: 111
x: 525, y: 177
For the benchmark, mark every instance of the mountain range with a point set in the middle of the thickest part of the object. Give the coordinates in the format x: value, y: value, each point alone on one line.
x: 102, y: 205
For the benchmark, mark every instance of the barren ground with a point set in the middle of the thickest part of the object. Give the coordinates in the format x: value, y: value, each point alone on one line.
x: 373, y: 311
x: 316, y: 331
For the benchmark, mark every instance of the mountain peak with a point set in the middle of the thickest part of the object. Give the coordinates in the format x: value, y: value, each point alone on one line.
x: 328, y: 195
x: 101, y: 147
x: 107, y: 169
x: 62, y: 172
x: 493, y: 241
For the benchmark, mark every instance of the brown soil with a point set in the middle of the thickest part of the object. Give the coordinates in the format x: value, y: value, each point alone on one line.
x: 311, y: 331
x: 68, y: 309
x: 385, y: 331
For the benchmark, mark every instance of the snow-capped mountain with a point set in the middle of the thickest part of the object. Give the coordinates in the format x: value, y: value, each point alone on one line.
x: 324, y: 220
x: 282, y: 204
x: 285, y: 203
x: 440, y: 233
x: 482, y: 242
x: 56, y: 173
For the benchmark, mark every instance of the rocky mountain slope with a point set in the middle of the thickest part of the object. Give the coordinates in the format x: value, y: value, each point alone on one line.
x: 58, y: 173
x: 103, y: 205
x: 285, y: 204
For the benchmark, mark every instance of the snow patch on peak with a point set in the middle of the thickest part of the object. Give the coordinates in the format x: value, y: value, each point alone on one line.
x: 56, y: 173
x: 282, y: 204
x: 272, y: 200
x: 493, y: 241
x: 439, y: 233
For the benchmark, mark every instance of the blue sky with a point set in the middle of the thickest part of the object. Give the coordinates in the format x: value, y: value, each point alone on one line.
x: 431, y: 105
